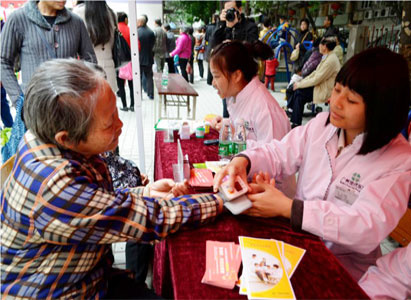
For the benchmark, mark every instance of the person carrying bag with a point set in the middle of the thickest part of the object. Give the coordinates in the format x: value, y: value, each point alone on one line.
x: 121, y: 50
x: 296, y: 52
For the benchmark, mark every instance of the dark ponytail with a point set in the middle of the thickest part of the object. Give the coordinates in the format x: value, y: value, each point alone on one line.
x: 259, y: 50
x: 237, y: 55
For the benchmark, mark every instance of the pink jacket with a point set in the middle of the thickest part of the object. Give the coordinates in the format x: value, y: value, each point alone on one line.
x: 351, y: 201
x: 391, y: 278
x: 265, y: 120
x: 183, y: 46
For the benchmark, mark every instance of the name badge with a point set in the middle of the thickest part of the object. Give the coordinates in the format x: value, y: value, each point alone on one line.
x: 249, y: 126
x: 345, y: 194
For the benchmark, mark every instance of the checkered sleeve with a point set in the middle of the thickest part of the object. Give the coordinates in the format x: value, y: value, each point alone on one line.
x: 71, y: 208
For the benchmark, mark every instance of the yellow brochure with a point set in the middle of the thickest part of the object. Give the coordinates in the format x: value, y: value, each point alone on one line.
x: 263, y: 269
x: 292, y: 257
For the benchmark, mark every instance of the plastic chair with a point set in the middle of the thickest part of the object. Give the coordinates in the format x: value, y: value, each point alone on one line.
x: 6, y: 169
x: 406, y: 131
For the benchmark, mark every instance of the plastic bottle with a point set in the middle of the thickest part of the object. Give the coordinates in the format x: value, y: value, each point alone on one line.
x: 200, y: 131
x: 225, y: 145
x: 186, y: 167
x: 207, y: 126
x: 164, y: 77
x: 239, y: 140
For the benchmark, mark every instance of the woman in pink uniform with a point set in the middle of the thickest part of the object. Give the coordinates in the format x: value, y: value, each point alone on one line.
x: 390, y: 278
x: 354, y: 165
x: 234, y: 67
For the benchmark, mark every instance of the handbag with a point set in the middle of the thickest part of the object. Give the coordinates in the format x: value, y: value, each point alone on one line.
x: 126, y: 72
x: 296, y: 52
x: 121, y: 50
x: 189, y: 69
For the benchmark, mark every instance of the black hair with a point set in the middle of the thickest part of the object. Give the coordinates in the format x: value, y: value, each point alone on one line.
x: 306, y: 21
x: 186, y: 29
x: 121, y: 17
x: 237, y: 3
x: 98, y: 15
x: 331, y: 19
x: 266, y: 22
x: 330, y: 42
x: 298, y: 68
x: 167, y: 26
x: 386, y: 98
x: 158, y: 22
x: 237, y: 55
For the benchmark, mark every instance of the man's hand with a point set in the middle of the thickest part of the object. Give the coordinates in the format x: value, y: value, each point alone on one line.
x: 238, y: 166
x: 227, y: 23
x: 267, y: 200
x: 222, y: 15
x: 295, y: 86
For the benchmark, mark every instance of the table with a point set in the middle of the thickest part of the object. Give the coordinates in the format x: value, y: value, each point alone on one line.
x: 177, y: 94
x: 179, y: 262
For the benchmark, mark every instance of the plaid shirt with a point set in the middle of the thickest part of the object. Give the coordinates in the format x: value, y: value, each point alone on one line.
x: 60, y: 215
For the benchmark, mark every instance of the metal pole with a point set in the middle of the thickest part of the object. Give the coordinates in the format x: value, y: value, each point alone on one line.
x: 392, y: 32
x: 132, y: 9
x: 372, y: 37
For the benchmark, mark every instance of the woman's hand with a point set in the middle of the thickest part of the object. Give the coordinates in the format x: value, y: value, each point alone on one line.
x: 267, y: 200
x: 297, y: 46
x: 263, y: 176
x: 167, y: 188
x: 216, y: 123
x: 144, y: 179
x: 238, y: 166
x: 180, y: 188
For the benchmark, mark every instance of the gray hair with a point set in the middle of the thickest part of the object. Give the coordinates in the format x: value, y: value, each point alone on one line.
x: 61, y: 96
x: 142, y: 20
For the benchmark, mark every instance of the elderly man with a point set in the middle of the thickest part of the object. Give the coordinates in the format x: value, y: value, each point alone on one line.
x: 160, y: 45
x: 40, y: 31
x: 147, y: 40
x: 60, y: 212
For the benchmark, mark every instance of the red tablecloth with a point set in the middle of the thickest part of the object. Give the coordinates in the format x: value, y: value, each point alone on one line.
x: 166, y: 153
x: 179, y: 262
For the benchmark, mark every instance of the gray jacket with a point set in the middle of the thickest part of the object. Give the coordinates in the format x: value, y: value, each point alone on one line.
x: 160, y: 43
x: 21, y: 38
